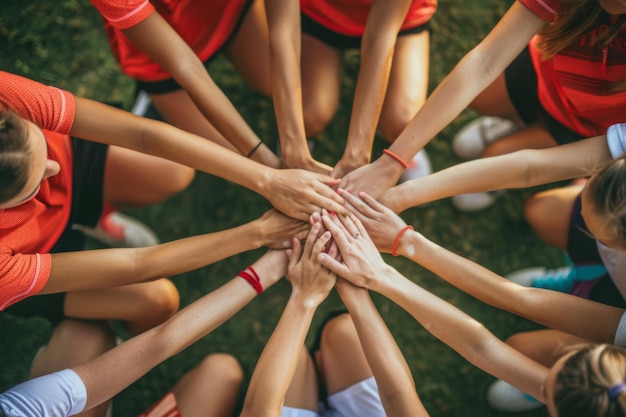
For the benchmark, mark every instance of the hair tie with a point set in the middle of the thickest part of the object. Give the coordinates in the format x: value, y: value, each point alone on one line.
x: 616, y: 390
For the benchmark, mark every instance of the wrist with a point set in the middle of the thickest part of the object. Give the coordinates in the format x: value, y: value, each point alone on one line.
x: 408, y: 244
x: 306, y: 301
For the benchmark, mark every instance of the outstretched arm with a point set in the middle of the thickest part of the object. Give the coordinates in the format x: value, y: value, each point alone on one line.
x: 521, y: 169
x: 384, y: 21
x: 106, y: 268
x: 297, y: 193
x: 283, y: 18
x: 392, y: 373
x: 363, y: 266
x: 311, y: 284
x: 110, y: 373
x: 586, y: 319
x: 481, y: 65
x: 161, y: 43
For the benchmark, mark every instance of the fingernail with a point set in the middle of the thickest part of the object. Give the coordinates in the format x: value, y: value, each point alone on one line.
x: 339, y: 191
x: 332, y: 213
x: 350, y: 191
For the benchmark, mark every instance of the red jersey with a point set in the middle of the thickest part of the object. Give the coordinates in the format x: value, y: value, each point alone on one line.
x: 576, y: 85
x: 205, y: 25
x: 30, y: 230
x: 348, y: 17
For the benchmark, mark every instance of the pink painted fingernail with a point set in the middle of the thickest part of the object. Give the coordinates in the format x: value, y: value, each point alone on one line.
x: 332, y: 213
x: 339, y: 191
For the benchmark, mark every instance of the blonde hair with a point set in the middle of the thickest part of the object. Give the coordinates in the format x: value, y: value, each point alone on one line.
x: 585, y: 386
x: 15, y: 154
x: 574, y: 18
x: 607, y: 193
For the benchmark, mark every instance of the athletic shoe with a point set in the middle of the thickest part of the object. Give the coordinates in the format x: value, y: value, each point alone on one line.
x: 418, y: 167
x: 474, y: 137
x: 505, y: 397
x: 118, y: 230
x: 557, y: 279
x: 473, y: 202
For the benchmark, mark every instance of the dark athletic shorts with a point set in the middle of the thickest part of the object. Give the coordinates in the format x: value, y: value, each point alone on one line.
x: 582, y: 250
x: 339, y: 41
x: 170, y: 85
x: 521, y: 84
x: 87, y: 200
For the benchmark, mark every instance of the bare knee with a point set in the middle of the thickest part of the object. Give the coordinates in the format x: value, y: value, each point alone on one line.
x: 395, y: 118
x: 178, y: 177
x: 222, y: 367
x: 317, y: 115
x: 159, y: 300
x: 338, y: 333
x: 532, y: 210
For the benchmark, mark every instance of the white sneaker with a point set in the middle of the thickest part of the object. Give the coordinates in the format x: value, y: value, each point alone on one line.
x: 118, y: 230
x: 473, y: 202
x: 418, y: 167
x: 473, y: 138
x: 505, y: 397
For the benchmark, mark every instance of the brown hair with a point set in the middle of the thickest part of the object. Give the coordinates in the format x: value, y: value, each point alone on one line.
x: 607, y: 193
x: 582, y: 387
x: 574, y: 19
x: 14, y: 155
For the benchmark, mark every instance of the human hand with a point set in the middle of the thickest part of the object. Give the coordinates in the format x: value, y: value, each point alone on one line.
x: 361, y: 263
x: 299, y: 193
x: 278, y: 230
x: 307, y: 163
x: 349, y: 293
x: 374, y: 178
x: 382, y: 224
x: 393, y: 199
x: 311, y: 282
x: 345, y: 166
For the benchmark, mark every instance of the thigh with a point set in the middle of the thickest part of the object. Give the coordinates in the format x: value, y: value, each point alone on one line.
x: 408, y: 83
x: 211, y: 388
x: 249, y: 50
x: 534, y: 136
x: 303, y: 393
x: 495, y: 101
x: 135, y: 179
x: 321, y: 72
x: 549, y: 212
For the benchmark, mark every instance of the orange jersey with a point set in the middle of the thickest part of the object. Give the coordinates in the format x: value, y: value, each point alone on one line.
x: 575, y: 86
x: 204, y: 25
x: 348, y: 17
x: 30, y: 230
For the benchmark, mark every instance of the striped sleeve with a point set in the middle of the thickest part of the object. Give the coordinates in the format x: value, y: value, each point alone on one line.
x: 22, y: 275
x: 123, y: 14
x: 48, y: 107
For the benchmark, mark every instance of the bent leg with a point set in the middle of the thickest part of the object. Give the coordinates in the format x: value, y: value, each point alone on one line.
x: 548, y: 213
x: 408, y: 84
x: 530, y: 137
x: 321, y: 70
x: 133, y: 179
x: 211, y: 388
x: 495, y: 101
x: 303, y: 391
x: 74, y: 342
x: 139, y: 306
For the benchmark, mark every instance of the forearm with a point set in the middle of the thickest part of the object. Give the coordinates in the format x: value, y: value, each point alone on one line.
x: 112, y: 372
x: 584, y: 318
x: 392, y: 373
x: 108, y: 268
x: 278, y: 361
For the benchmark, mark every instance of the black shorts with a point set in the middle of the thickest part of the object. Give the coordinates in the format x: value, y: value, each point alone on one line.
x: 170, y: 85
x: 89, y: 160
x: 339, y: 41
x: 521, y: 84
x: 583, y: 250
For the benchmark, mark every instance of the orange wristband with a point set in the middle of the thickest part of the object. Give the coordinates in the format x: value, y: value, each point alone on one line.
x: 396, y: 157
x: 397, y: 242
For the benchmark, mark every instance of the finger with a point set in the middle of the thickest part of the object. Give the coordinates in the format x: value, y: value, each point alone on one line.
x: 320, y: 244
x: 337, y: 267
x: 340, y: 235
x: 315, y: 218
x: 359, y: 226
x: 360, y: 205
x: 373, y: 203
x: 310, y: 240
x: 350, y: 226
x: 294, y: 253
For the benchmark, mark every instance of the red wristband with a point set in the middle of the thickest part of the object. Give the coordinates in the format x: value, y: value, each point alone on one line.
x: 396, y: 157
x: 253, y: 279
x: 397, y: 242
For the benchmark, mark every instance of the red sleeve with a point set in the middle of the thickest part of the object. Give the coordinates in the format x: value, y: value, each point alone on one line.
x: 48, y: 107
x: 21, y: 275
x: 123, y: 14
x: 546, y: 10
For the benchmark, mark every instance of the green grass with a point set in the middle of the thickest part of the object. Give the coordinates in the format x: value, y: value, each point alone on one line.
x: 62, y: 43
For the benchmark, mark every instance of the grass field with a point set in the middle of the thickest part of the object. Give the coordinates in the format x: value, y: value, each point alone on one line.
x: 62, y: 43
